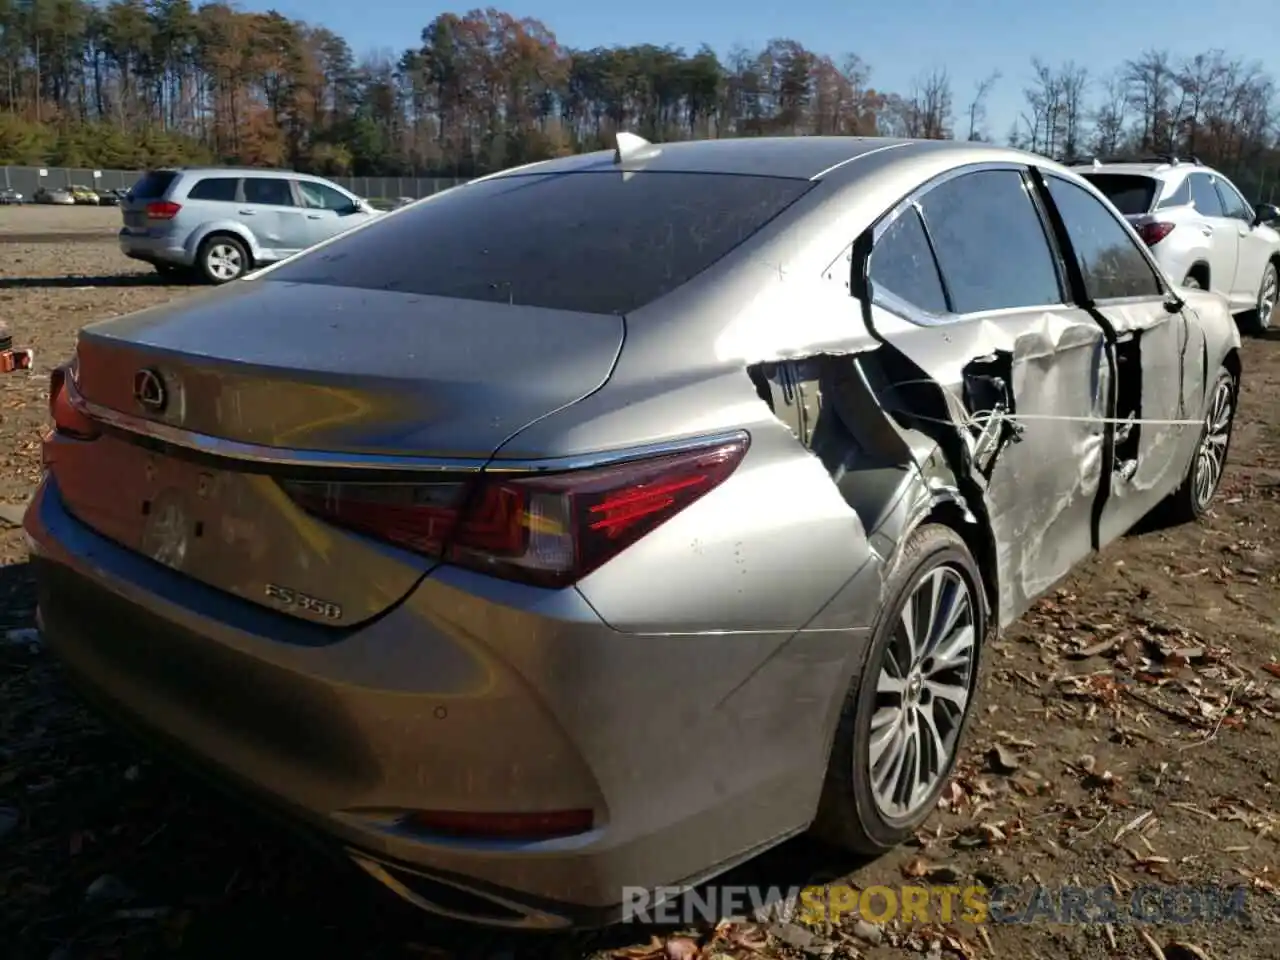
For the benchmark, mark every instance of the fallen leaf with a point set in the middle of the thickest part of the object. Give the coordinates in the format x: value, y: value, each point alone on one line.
x: 916, y: 867
x: 653, y: 950
x: 1002, y: 759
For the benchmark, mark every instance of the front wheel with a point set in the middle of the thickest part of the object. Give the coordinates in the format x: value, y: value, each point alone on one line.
x: 223, y: 259
x: 903, y: 719
x: 1204, y: 476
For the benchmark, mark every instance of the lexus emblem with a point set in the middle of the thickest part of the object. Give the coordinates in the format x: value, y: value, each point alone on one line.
x: 149, y: 390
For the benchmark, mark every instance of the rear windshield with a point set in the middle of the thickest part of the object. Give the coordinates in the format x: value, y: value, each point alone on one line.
x: 1129, y: 193
x: 153, y: 185
x: 593, y: 242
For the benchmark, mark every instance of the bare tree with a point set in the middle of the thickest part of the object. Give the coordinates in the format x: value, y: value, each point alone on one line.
x: 925, y: 113
x: 977, y: 109
x: 1073, y: 85
x: 1110, y: 116
x: 1044, y: 100
x: 1150, y: 83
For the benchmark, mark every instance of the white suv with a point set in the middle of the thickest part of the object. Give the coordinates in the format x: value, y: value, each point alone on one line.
x: 1200, y: 229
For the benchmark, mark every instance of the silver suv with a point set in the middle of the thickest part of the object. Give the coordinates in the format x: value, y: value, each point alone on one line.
x: 1200, y: 229
x: 224, y: 222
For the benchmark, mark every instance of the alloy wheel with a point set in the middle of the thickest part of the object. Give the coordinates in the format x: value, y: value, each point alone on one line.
x: 1267, y: 298
x: 923, y: 691
x: 224, y: 261
x: 1212, y: 456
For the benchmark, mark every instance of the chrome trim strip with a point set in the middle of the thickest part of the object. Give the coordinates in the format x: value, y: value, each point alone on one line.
x: 604, y: 458
x: 293, y: 457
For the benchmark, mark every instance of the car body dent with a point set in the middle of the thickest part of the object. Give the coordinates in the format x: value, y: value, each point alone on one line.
x: 799, y: 270
x: 235, y: 228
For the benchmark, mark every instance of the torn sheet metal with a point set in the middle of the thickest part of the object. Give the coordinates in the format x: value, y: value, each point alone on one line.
x: 1159, y: 359
x: 1041, y: 476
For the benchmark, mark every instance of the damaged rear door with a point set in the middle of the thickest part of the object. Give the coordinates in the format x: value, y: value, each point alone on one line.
x: 968, y: 288
x: 1158, y: 358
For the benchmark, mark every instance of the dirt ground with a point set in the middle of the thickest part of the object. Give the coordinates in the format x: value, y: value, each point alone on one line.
x: 1124, y: 739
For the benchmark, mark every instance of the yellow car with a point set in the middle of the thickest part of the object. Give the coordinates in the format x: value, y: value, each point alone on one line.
x: 83, y: 195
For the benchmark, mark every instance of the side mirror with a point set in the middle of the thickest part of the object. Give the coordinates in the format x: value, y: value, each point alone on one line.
x: 1266, y: 213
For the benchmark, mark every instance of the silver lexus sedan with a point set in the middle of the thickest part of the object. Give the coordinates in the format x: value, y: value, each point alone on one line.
x: 602, y: 522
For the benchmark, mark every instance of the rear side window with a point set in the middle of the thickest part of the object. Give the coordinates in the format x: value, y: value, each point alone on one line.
x: 1129, y: 193
x: 991, y: 245
x: 1205, y: 197
x: 1110, y: 260
x: 215, y: 188
x: 593, y: 242
x: 1233, y: 205
x: 1180, y: 197
x: 903, y: 265
x: 271, y: 191
x: 153, y: 185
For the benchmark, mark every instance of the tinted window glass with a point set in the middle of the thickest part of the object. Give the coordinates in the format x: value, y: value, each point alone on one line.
x: 592, y: 242
x: 153, y: 185
x: 1129, y: 193
x: 1109, y: 257
x: 991, y: 245
x: 320, y: 197
x: 268, y: 190
x: 1233, y: 204
x: 215, y: 188
x: 1180, y: 197
x: 1204, y: 196
x: 903, y: 264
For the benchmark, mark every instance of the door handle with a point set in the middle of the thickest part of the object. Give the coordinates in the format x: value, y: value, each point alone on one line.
x: 246, y: 213
x: 1207, y: 231
x: 313, y: 216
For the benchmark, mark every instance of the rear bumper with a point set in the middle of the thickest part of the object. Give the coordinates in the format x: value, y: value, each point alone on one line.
x: 454, y: 701
x: 151, y: 249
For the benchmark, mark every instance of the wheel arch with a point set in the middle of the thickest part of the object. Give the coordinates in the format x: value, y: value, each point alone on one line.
x: 972, y: 527
x: 231, y: 229
x: 1200, y: 270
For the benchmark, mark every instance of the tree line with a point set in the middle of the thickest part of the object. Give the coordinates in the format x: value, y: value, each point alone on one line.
x: 134, y: 83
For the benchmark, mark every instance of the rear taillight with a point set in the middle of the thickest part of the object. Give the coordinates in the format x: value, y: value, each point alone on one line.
x: 67, y: 420
x: 549, y: 530
x: 162, y: 210
x: 1153, y: 233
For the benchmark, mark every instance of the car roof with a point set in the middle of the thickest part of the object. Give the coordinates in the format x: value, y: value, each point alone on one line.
x: 806, y: 158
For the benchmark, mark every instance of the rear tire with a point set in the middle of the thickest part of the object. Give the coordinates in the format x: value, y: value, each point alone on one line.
x: 1258, y: 320
x: 1204, y: 475
x: 902, y: 711
x: 1191, y: 282
x: 222, y: 258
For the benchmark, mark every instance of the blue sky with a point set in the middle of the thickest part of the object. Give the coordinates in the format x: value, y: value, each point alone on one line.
x: 899, y: 39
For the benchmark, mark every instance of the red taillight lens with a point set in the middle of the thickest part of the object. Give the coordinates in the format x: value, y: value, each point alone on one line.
x: 67, y: 420
x: 547, y: 530
x: 162, y: 210
x: 502, y: 826
x: 1153, y: 233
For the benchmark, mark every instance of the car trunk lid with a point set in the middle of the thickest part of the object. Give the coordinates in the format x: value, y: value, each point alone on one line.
x: 211, y: 403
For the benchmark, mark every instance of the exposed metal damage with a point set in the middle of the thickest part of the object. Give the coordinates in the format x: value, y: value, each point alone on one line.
x: 973, y: 419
